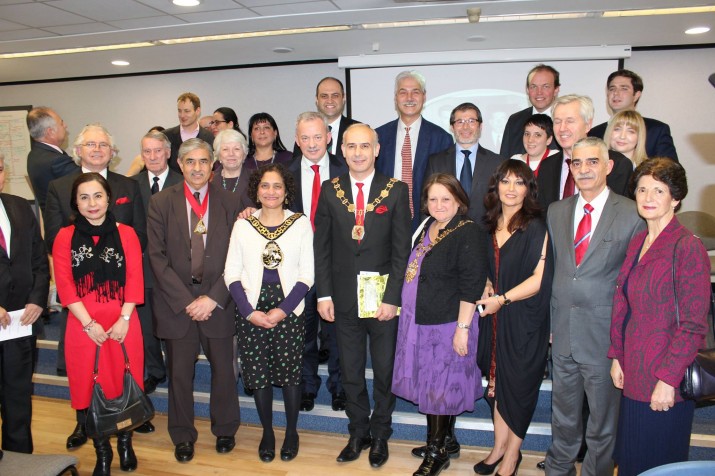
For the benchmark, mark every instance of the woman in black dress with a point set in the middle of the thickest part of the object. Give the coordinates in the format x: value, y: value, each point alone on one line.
x: 514, y: 331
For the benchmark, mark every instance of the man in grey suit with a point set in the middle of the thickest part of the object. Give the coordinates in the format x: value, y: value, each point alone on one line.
x: 155, y: 151
x: 589, y: 235
x: 471, y: 163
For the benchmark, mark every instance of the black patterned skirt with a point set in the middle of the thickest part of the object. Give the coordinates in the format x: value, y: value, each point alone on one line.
x: 271, y: 356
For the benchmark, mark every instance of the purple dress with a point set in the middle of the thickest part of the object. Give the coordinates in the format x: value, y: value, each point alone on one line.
x: 427, y: 370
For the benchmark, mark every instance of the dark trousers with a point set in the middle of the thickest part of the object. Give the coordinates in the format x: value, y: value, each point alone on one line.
x: 353, y: 336
x: 153, y: 358
x: 16, y: 364
x: 310, y: 378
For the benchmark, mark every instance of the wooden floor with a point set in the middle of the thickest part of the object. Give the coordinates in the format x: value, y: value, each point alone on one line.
x: 53, y: 420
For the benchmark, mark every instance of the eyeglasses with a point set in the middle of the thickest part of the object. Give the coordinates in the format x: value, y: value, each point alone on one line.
x: 215, y: 122
x: 470, y: 122
x: 94, y: 145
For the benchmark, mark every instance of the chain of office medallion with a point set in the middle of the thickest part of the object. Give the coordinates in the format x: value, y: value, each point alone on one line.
x: 258, y: 226
x: 370, y: 206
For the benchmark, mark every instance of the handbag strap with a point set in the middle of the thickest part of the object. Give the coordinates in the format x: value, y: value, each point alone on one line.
x: 675, y: 291
x: 96, y: 361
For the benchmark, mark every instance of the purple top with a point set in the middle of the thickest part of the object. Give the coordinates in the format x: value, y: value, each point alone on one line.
x: 652, y: 347
x: 281, y: 157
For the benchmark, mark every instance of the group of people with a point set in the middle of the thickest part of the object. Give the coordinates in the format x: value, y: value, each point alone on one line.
x: 444, y: 260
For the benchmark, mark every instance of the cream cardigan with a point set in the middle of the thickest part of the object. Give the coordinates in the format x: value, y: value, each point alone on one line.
x: 244, y: 263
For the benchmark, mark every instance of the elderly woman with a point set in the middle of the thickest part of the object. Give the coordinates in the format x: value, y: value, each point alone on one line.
x: 225, y: 118
x: 435, y: 359
x: 515, y: 333
x: 269, y: 270
x: 230, y: 150
x: 98, y: 271
x: 649, y: 351
x: 264, y: 143
x: 626, y: 134
x: 538, y: 135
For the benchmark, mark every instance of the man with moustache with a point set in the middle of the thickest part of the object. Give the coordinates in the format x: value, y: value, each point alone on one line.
x: 542, y: 86
x: 407, y: 142
x: 316, y: 166
x: 471, y: 163
x: 589, y: 233
x: 155, y: 151
x: 188, y: 106
x: 192, y: 305
x: 362, y: 225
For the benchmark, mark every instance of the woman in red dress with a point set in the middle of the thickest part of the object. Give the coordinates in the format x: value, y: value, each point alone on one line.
x: 98, y: 272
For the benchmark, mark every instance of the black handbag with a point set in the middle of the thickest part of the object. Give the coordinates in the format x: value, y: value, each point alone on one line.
x: 124, y: 413
x: 699, y: 381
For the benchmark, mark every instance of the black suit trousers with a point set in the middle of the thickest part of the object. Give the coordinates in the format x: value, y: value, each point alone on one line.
x: 310, y: 378
x: 16, y: 365
x: 353, y: 336
x: 153, y: 358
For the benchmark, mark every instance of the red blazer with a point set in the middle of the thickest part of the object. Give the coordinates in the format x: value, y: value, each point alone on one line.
x: 653, y: 347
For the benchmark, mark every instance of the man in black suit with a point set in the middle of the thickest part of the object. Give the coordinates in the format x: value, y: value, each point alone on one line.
x: 472, y: 164
x: 362, y: 225
x: 46, y: 160
x: 188, y: 107
x: 314, y: 167
x: 155, y: 151
x: 93, y: 149
x: 542, y: 86
x: 624, y: 89
x: 572, y: 120
x: 330, y: 101
x: 24, y: 284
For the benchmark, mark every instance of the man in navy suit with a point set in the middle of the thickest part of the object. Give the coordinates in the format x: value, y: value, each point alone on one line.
x: 188, y: 107
x: 624, y: 88
x: 46, y: 160
x: 315, y: 166
x: 407, y: 142
x: 542, y: 86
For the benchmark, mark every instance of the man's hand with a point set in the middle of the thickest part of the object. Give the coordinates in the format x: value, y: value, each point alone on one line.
x: 247, y: 212
x: 326, y: 309
x: 200, y: 309
x: 32, y: 312
x: 385, y: 312
x: 4, y: 318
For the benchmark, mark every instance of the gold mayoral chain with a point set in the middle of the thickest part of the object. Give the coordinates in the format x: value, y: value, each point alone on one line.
x: 421, y: 249
x: 358, y: 232
x: 272, y: 255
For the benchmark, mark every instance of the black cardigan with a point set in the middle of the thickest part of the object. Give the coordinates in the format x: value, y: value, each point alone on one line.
x: 454, y: 270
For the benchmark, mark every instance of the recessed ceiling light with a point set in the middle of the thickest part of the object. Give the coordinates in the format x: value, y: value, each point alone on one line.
x: 283, y: 49
x: 186, y: 3
x: 120, y: 63
x: 697, y: 30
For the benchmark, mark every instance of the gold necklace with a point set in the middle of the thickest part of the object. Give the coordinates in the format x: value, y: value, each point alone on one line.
x: 370, y: 206
x: 421, y: 249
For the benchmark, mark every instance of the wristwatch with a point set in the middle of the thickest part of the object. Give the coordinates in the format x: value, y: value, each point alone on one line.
x: 126, y: 317
x: 507, y: 301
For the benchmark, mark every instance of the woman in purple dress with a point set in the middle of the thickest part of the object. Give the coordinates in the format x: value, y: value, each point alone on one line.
x: 435, y: 359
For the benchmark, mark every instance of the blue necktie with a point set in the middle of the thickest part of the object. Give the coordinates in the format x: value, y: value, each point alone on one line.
x: 465, y: 176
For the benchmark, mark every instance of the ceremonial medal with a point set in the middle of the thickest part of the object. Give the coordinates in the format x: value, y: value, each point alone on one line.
x: 200, y: 227
x: 272, y: 255
x: 358, y: 232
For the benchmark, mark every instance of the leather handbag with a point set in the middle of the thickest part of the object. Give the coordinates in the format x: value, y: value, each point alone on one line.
x: 128, y: 411
x: 699, y: 381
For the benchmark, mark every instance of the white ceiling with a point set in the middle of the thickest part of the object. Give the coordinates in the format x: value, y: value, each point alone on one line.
x: 36, y: 25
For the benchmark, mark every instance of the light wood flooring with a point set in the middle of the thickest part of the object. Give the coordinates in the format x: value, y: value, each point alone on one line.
x: 53, y: 420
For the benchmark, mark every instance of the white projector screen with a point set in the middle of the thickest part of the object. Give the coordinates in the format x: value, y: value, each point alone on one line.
x: 498, y: 89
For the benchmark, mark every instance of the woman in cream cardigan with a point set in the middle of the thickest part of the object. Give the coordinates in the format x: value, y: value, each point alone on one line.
x: 269, y: 269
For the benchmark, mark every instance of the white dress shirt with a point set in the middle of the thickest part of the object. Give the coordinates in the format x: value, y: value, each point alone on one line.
x: 400, y: 140
x: 306, y: 179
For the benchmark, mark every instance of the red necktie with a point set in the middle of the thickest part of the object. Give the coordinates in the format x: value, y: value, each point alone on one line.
x: 316, y: 194
x: 583, y: 234
x: 406, y: 154
x: 3, y: 243
x: 360, y: 206
x: 569, y: 187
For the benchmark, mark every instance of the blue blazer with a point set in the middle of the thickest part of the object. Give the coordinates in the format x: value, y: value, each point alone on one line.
x: 432, y: 139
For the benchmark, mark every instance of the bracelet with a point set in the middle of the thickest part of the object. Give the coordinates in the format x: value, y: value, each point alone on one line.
x: 89, y: 326
x: 249, y: 317
x: 461, y: 325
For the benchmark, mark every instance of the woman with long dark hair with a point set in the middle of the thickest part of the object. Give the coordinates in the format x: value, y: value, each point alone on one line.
x: 264, y: 143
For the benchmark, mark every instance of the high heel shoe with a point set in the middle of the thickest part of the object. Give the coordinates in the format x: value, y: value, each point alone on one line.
x: 484, y: 468
x: 516, y: 468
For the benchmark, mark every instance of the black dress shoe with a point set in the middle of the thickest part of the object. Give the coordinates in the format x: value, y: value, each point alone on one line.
x: 77, y: 438
x: 144, y: 428
x: 484, y: 468
x: 184, y: 452
x: 61, y: 372
x: 151, y: 383
x: 378, y: 452
x: 307, y: 402
x: 352, y: 450
x: 339, y: 402
x: 247, y: 391
x: 323, y: 355
x: 288, y: 453
x: 224, y: 444
x: 541, y: 465
x: 267, y: 450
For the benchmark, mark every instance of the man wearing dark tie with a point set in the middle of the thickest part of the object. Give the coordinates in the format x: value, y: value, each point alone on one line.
x: 315, y: 166
x: 408, y: 141
x: 624, y: 89
x: 156, y: 176
x: 46, y: 160
x: 362, y: 225
x: 471, y: 163
x: 24, y: 285
x: 589, y: 233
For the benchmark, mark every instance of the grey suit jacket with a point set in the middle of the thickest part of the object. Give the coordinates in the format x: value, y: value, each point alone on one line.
x: 582, y: 297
